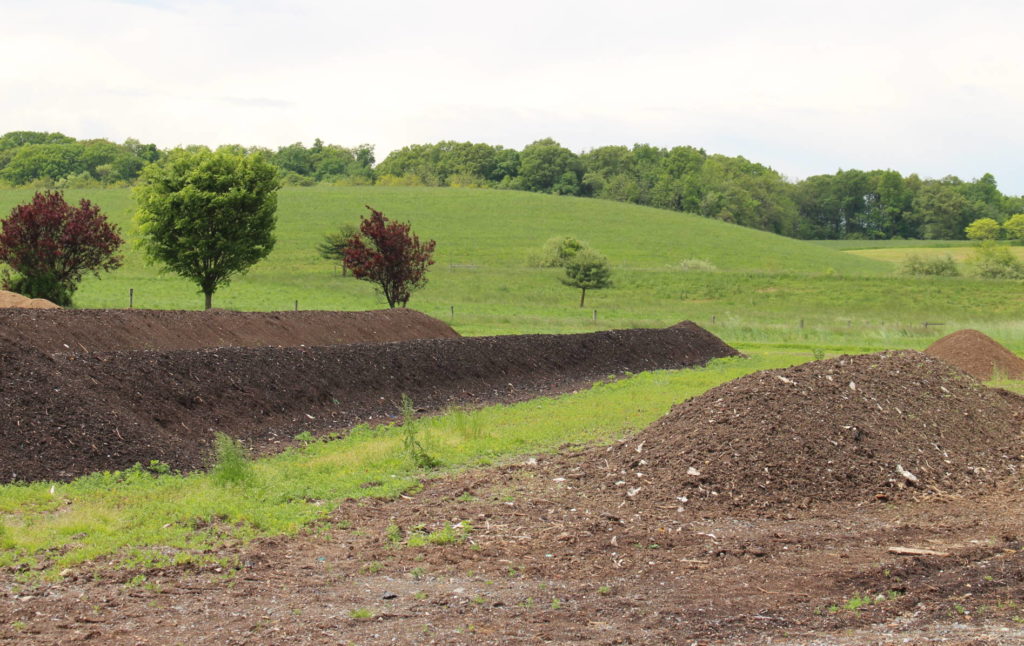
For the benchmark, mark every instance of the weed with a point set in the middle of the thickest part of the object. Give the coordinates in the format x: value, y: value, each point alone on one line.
x: 604, y: 590
x: 394, y: 534
x: 480, y: 600
x: 818, y: 353
x: 417, y: 573
x: 233, y: 466
x: 466, y: 497
x: 19, y: 625
x: 448, y: 535
x: 420, y: 595
x: 360, y: 613
x: 413, y: 448
x: 305, y: 437
x: 135, y: 581
x: 373, y: 567
x: 556, y: 604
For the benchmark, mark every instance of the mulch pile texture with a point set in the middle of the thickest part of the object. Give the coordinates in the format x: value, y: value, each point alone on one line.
x: 110, y: 330
x: 854, y: 429
x: 977, y: 354
x: 66, y: 414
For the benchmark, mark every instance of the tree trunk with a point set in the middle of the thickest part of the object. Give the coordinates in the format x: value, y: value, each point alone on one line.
x: 583, y: 296
x: 209, y: 299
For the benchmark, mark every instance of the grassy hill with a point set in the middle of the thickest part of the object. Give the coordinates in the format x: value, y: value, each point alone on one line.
x: 767, y: 288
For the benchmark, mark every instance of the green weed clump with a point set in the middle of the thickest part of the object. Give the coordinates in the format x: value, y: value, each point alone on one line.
x: 410, y: 442
x: 917, y: 265
x: 233, y: 466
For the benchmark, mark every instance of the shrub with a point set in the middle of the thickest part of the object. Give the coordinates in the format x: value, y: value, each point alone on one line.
x: 557, y: 251
x: 915, y: 265
x: 991, y: 260
x: 53, y: 245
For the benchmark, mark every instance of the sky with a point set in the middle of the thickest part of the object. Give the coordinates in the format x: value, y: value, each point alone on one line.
x: 806, y: 87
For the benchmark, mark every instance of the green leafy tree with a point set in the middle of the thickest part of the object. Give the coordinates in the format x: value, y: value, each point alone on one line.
x: 587, y: 270
x: 207, y: 216
x: 984, y: 229
x: 548, y: 167
x: 1014, y: 227
x: 52, y: 245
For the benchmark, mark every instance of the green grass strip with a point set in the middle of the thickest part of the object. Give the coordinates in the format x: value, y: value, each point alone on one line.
x: 140, y: 519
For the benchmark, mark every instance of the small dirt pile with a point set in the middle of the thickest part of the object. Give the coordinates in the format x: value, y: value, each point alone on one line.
x: 855, y: 428
x: 978, y: 355
x: 17, y: 301
x: 66, y: 414
x: 110, y: 330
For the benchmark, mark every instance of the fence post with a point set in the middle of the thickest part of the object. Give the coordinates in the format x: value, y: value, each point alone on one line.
x: 296, y: 305
x: 131, y: 297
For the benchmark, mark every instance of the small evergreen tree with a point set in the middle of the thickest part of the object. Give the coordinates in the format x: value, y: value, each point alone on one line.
x: 587, y: 270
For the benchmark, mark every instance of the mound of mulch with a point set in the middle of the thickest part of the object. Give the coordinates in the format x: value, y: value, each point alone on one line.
x: 853, y: 429
x: 978, y: 355
x: 66, y: 414
x: 15, y: 300
x: 109, y: 330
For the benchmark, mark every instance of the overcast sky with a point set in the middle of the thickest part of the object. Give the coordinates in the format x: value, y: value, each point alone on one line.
x: 806, y: 87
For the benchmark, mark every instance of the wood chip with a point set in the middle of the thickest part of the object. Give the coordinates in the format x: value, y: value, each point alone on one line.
x: 915, y: 551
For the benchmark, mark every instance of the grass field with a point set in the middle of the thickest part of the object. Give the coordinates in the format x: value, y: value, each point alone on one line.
x: 899, y: 254
x: 767, y: 289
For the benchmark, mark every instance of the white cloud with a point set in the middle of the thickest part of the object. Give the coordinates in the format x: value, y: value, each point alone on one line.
x: 805, y: 87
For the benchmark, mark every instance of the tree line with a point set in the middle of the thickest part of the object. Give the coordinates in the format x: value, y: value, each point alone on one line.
x: 876, y: 204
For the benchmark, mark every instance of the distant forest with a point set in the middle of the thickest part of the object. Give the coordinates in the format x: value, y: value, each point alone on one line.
x: 875, y: 204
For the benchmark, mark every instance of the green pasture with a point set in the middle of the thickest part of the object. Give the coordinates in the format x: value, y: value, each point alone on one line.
x: 767, y: 288
x: 899, y: 254
x: 852, y: 245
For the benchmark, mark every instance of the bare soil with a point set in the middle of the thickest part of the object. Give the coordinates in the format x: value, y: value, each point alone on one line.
x: 978, y: 355
x: 775, y: 509
x: 77, y: 331
x: 66, y: 414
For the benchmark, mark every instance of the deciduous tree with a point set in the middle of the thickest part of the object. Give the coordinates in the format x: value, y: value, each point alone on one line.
x: 52, y: 245
x: 389, y: 255
x: 208, y: 216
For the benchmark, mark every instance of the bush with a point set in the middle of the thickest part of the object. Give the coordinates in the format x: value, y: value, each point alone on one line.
x: 557, y: 252
x: 991, y: 260
x: 915, y: 265
x: 52, y: 245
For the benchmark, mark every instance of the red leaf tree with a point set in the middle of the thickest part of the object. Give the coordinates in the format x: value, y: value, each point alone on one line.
x: 52, y: 245
x: 390, y: 256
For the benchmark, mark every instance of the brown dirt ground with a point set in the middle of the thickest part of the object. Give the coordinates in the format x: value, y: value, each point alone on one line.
x: 978, y: 355
x: 78, y: 331
x: 66, y: 414
x: 595, y: 545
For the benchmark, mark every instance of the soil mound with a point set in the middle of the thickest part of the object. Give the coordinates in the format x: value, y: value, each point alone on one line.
x: 978, y: 355
x: 15, y: 300
x: 853, y: 429
x: 109, y: 330
x: 64, y: 415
